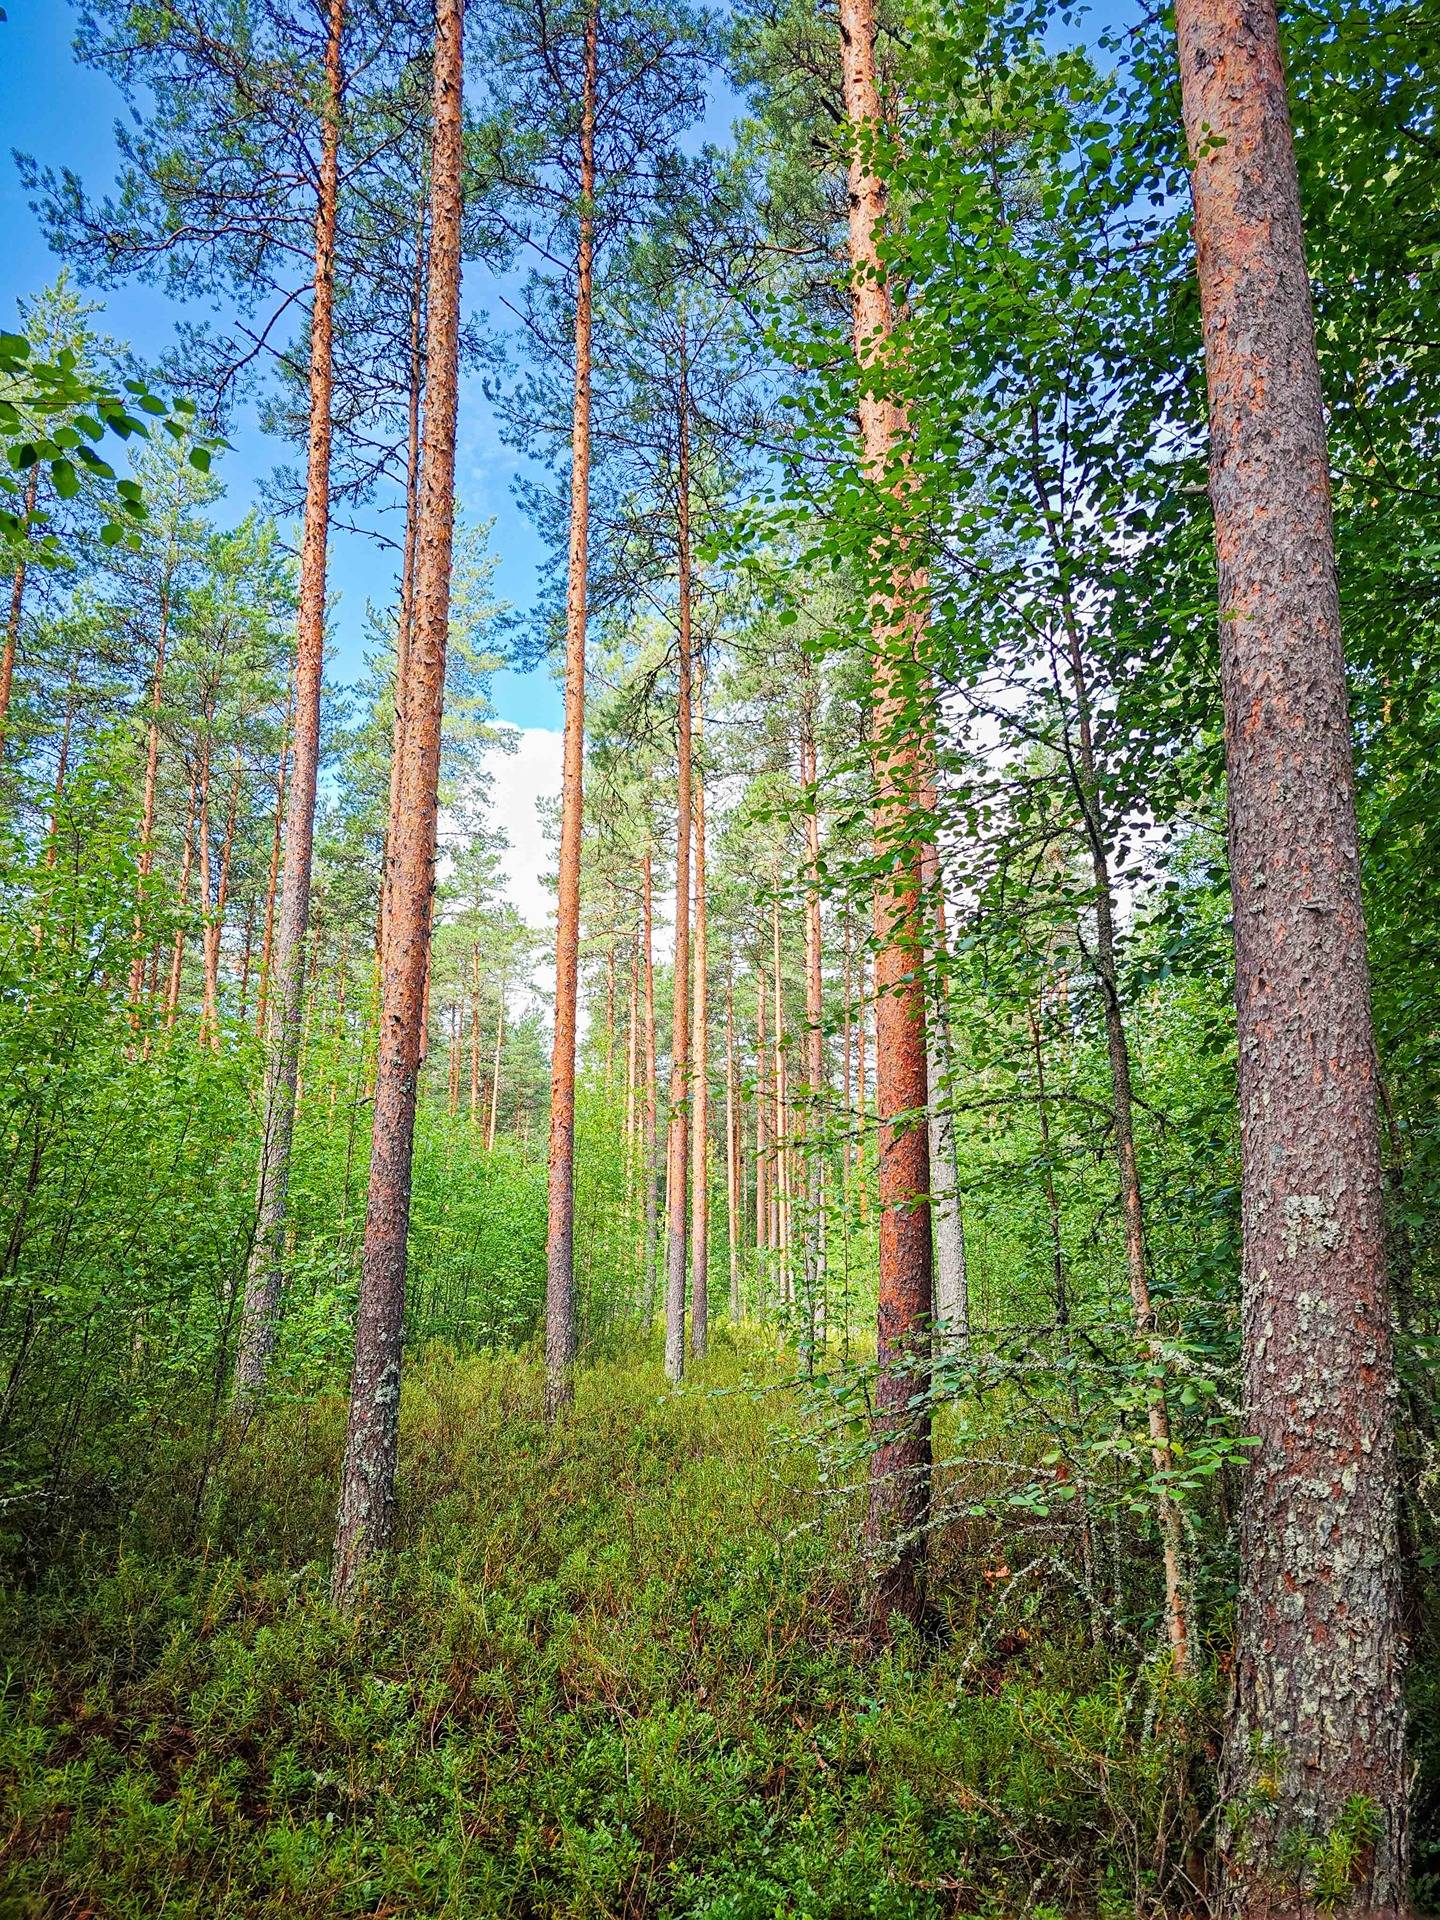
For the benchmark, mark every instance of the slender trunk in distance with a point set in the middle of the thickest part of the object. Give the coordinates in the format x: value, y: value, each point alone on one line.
x: 561, y: 1333
x: 678, y: 1133
x: 700, y: 1156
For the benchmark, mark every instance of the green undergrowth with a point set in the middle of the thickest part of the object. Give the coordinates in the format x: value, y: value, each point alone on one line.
x: 614, y: 1670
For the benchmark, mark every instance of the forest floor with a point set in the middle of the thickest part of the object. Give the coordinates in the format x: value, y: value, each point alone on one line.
x: 616, y: 1670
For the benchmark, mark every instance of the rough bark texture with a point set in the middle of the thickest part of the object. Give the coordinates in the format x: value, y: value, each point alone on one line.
x: 1318, y: 1662
x: 700, y: 1175
x: 677, y: 1138
x: 367, y: 1476
x: 900, y: 1465
x: 285, y: 986
x: 405, y: 617
x: 561, y: 1334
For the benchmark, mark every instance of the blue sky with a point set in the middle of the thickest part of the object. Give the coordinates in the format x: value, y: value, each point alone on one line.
x: 64, y: 114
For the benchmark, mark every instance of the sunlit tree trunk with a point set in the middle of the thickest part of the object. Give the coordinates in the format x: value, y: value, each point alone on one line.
x: 367, y: 1479
x: 700, y: 1172
x: 762, y: 1131
x: 1318, y: 1664
x: 265, y: 1276
x: 474, y: 1038
x: 652, y: 1097
x: 405, y: 614
x: 632, y: 1087
x: 734, y: 1212
x: 900, y: 1462
x: 678, y: 1134
x: 561, y: 1333
x: 781, y: 1184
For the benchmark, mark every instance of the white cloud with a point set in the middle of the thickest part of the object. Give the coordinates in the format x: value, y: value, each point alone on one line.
x: 520, y: 781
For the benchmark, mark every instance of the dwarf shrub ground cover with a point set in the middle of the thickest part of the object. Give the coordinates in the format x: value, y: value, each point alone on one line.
x: 614, y: 1670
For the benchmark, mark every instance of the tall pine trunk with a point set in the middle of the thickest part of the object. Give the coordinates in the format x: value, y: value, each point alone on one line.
x: 678, y: 1133
x: 780, y: 1116
x: 367, y: 1478
x: 1318, y: 1665
x: 265, y: 1275
x: 700, y: 1171
x: 762, y: 1130
x: 405, y: 616
x: 652, y: 1097
x: 900, y: 1463
x: 561, y: 1333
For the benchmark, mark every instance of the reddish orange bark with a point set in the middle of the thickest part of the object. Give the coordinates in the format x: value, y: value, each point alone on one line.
x: 285, y: 989
x: 1318, y: 1662
x: 561, y: 1331
x: 700, y: 1155
x: 367, y: 1482
x: 900, y: 1464
x: 652, y: 1094
x: 405, y: 616
x: 678, y: 1133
